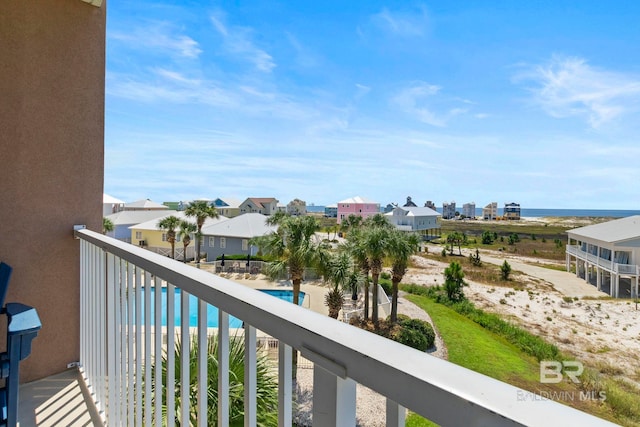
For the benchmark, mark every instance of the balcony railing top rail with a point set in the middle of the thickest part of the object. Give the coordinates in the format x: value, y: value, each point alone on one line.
x: 436, y: 389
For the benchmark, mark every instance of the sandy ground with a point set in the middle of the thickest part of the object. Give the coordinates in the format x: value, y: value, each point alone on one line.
x: 565, y: 310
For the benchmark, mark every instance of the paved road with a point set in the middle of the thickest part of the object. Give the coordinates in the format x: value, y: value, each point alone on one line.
x: 565, y: 282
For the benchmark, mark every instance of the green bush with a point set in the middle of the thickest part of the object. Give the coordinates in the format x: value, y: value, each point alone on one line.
x: 412, y: 338
x: 385, y: 275
x: 386, y: 285
x: 422, y: 327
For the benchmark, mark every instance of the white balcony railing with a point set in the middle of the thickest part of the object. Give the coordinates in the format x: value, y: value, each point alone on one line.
x: 603, y: 263
x: 118, y: 344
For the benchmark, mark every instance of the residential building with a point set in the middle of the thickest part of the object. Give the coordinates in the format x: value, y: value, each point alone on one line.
x: 410, y: 203
x: 358, y: 206
x: 150, y: 236
x: 262, y: 205
x: 145, y: 205
x: 122, y: 221
x: 511, y: 211
x: 297, y: 207
x: 389, y: 207
x: 607, y: 255
x: 52, y: 149
x: 424, y: 221
x: 231, y: 237
x: 448, y: 210
x: 490, y: 212
x: 429, y: 204
x: 227, y: 206
x: 111, y: 205
x: 469, y: 210
x: 331, y: 211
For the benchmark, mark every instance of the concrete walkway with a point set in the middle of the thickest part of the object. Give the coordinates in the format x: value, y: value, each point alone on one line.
x: 564, y: 282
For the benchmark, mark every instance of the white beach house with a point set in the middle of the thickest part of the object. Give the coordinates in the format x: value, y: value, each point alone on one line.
x: 607, y: 255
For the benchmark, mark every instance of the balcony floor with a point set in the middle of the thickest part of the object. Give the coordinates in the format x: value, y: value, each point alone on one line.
x: 60, y: 399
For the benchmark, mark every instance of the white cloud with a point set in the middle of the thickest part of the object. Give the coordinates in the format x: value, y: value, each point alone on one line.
x: 238, y: 41
x: 159, y: 36
x: 418, y: 99
x: 569, y: 86
x: 402, y: 24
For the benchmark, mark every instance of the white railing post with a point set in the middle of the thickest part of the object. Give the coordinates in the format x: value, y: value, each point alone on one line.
x: 223, y: 369
x: 396, y: 414
x: 171, y: 354
x: 112, y: 403
x: 139, y: 348
x: 285, y: 379
x: 250, y: 376
x: 157, y: 353
x: 334, y: 399
x: 148, y: 374
x: 203, y: 356
x: 185, y: 354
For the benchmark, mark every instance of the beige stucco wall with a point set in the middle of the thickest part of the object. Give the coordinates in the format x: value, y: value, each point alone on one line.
x: 51, y: 162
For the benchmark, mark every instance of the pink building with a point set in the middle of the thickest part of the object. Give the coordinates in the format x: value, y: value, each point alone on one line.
x: 358, y: 206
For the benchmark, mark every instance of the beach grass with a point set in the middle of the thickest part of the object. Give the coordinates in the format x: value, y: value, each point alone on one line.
x: 473, y: 346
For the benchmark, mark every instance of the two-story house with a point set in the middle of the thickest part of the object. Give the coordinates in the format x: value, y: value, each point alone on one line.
x: 424, y: 221
x: 358, y: 206
x: 262, y: 205
x: 607, y: 255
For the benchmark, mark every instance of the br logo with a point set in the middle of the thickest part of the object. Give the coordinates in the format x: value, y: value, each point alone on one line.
x: 551, y: 371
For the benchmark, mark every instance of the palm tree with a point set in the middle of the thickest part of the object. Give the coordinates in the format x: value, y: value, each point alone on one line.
x: 267, y: 385
x: 375, y: 241
x: 401, y: 246
x: 357, y: 250
x: 200, y: 210
x: 186, y: 230
x: 107, y: 225
x: 170, y: 224
x: 292, y: 246
x: 341, y: 275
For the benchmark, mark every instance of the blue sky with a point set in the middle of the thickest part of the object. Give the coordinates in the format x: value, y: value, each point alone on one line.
x: 532, y: 102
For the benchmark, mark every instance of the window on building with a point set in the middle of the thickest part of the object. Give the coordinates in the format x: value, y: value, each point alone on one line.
x: 164, y: 237
x: 223, y: 242
x: 212, y: 242
x: 138, y: 235
x: 245, y: 244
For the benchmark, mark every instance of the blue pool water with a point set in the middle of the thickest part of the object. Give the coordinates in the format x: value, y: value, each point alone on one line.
x: 212, y: 312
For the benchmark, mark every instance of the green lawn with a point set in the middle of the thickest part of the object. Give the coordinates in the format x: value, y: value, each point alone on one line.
x: 472, y: 346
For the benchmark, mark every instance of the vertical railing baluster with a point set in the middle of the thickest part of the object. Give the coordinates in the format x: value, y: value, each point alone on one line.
x: 122, y: 302
x: 112, y: 402
x: 185, y: 354
x: 334, y: 399
x: 171, y: 354
x: 157, y: 354
x: 203, y: 351
x: 395, y: 414
x: 285, y: 378
x: 223, y: 368
x: 102, y: 336
x: 139, y: 348
x: 250, y: 376
x: 148, y: 374
x: 130, y: 351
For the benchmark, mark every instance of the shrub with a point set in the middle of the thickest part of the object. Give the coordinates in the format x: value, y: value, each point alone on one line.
x: 385, y: 284
x: 385, y: 275
x: 487, y: 237
x: 505, y: 270
x: 412, y: 338
x: 421, y: 326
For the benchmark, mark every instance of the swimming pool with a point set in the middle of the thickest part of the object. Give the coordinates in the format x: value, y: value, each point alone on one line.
x: 212, y: 312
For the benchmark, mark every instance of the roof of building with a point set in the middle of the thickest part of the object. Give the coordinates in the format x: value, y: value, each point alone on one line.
x: 136, y: 217
x: 153, y: 223
x: 416, y: 211
x: 144, y: 204
x: 229, y: 202
x: 243, y: 226
x: 332, y: 206
x: 110, y: 199
x: 358, y: 199
x: 259, y: 201
x: 614, y: 231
